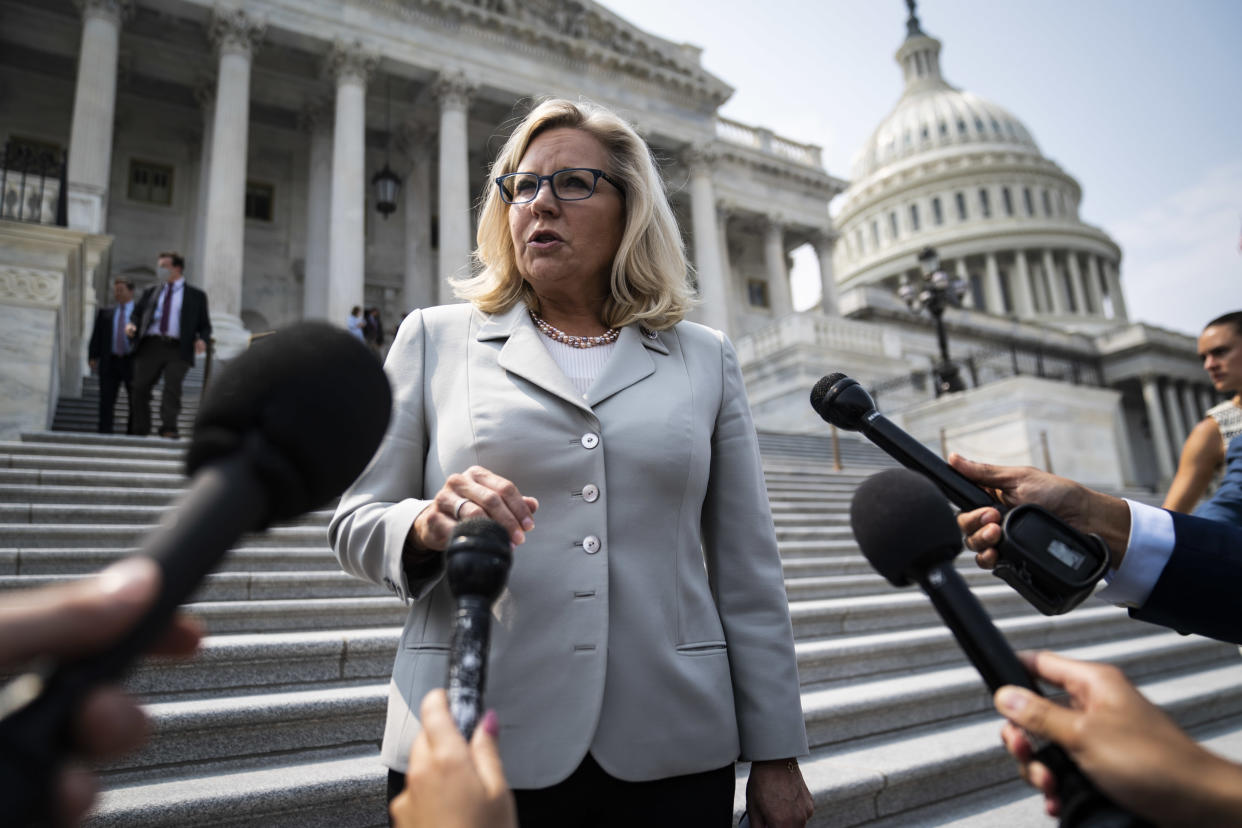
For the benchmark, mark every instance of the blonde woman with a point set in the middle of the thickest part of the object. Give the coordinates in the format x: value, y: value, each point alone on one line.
x: 644, y: 642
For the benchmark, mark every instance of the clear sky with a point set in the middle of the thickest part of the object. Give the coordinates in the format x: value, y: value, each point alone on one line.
x: 1139, y: 100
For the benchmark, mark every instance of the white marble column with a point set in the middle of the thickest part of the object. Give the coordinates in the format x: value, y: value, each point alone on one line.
x: 1056, y: 285
x: 1076, y: 285
x: 453, y: 92
x: 993, y: 293
x: 205, y: 94
x: 235, y: 36
x: 94, y: 113
x: 823, y: 241
x: 1114, y: 291
x: 317, y: 124
x: 713, y: 310
x: 960, y: 272
x: 350, y: 66
x: 1190, y: 406
x: 1173, y: 409
x: 723, y: 212
x: 774, y: 260
x: 1206, y: 399
x: 1093, y: 284
x: 420, y: 282
x: 1165, y: 460
x: 1020, y: 285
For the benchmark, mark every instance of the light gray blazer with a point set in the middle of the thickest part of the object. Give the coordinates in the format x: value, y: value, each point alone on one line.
x: 647, y: 625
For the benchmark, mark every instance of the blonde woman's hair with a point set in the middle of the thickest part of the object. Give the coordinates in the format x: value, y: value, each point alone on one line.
x: 649, y: 281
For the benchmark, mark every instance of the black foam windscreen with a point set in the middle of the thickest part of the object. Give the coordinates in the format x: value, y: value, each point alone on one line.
x: 903, y: 524
x: 309, y: 404
x: 483, y: 528
x: 821, y: 390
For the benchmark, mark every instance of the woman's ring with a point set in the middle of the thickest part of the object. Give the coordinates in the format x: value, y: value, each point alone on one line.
x: 457, y: 508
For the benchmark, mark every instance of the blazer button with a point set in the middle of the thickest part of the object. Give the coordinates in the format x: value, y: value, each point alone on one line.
x: 591, y: 544
x: 590, y: 493
x: 589, y: 440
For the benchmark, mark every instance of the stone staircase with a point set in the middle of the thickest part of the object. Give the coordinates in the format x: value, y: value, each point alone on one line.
x: 277, y: 721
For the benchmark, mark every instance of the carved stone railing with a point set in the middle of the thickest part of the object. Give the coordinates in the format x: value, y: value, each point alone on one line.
x: 824, y: 333
x: 764, y: 140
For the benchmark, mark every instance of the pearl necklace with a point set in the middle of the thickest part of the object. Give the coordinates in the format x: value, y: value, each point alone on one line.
x: 557, y: 335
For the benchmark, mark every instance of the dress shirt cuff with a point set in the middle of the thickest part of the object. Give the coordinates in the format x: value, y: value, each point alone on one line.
x: 1147, y: 552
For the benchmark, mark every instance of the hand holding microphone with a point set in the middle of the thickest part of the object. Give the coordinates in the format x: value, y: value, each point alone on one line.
x: 883, y: 508
x: 1052, y: 565
x: 285, y: 428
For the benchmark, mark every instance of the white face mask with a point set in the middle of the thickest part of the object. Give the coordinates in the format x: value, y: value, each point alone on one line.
x: 163, y: 273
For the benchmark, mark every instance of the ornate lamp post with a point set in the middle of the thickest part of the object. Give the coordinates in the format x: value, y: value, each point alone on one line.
x: 387, y: 183
x: 938, y: 291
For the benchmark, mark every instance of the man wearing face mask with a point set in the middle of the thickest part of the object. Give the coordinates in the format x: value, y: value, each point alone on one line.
x: 170, y: 325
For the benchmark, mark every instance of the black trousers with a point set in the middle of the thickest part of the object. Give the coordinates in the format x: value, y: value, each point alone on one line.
x: 590, y: 798
x: 156, y: 356
x: 115, y: 371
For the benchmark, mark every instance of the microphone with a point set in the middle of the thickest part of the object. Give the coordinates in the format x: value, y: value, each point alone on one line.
x: 477, y: 565
x: 1052, y: 565
x: 283, y: 429
x: 882, y: 510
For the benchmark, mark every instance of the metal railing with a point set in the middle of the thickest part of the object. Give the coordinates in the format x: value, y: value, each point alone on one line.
x: 33, y: 185
x: 983, y: 367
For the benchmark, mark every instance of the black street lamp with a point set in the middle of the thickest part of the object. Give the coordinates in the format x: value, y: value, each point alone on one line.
x: 939, y: 290
x: 387, y: 183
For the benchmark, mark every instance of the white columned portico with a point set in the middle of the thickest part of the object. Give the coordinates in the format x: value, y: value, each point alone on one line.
x: 1114, y: 291
x: 420, y: 284
x: 235, y: 35
x: 823, y: 241
x: 993, y: 294
x: 94, y: 113
x: 1159, y: 429
x: 713, y: 287
x: 1190, y: 407
x: 318, y: 128
x: 205, y: 94
x: 453, y: 91
x: 1093, y: 284
x: 723, y: 212
x: 774, y: 259
x: 349, y: 65
x: 1024, y: 300
x: 1075, y: 280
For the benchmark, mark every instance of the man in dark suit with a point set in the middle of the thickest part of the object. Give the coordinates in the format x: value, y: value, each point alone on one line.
x: 110, y: 354
x: 1179, y: 571
x: 169, y: 324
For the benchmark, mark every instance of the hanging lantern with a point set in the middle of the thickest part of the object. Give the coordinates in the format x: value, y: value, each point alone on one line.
x: 387, y: 185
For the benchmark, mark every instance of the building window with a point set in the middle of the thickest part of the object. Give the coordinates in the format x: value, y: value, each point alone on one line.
x: 875, y: 233
x: 937, y: 213
x: 757, y: 293
x: 1060, y: 203
x: 985, y: 206
x: 1030, y: 202
x: 961, y: 206
x: 914, y: 218
x: 151, y: 183
x: 892, y: 222
x: 1047, y: 204
x: 944, y: 130
x: 1006, y: 296
x: 961, y: 127
x: 979, y: 125
x: 925, y: 133
x: 1007, y: 200
x: 996, y: 127
x: 259, y: 200
x: 858, y: 242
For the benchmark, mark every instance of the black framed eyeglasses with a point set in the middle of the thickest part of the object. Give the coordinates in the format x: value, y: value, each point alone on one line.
x: 572, y: 184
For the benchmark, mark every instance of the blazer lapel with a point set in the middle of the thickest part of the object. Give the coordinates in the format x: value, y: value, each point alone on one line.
x: 628, y: 364
x: 525, y: 355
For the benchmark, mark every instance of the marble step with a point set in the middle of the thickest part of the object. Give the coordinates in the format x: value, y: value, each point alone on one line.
x: 247, y: 586
x: 95, y: 464
x: 231, y: 732
x: 95, y: 511
x: 94, y: 479
x: 340, y: 791
x: 55, y: 535
x: 153, y: 449
x: 867, y: 780
x: 806, y: 588
x: 301, y: 614
x: 87, y: 559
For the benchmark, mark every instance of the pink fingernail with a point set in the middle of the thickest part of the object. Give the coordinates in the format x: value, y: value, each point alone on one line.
x: 528, y: 524
x: 491, y: 724
x: 1011, y: 700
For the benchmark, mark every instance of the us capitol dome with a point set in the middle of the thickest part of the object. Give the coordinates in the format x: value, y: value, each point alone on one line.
x: 949, y: 169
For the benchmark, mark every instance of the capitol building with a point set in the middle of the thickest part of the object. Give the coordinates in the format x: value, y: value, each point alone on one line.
x: 256, y: 137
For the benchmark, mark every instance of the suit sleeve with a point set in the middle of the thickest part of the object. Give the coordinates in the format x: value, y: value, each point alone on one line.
x: 202, y: 327
x: 96, y: 348
x: 744, y: 566
x: 1198, y: 590
x: 369, y: 530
